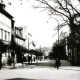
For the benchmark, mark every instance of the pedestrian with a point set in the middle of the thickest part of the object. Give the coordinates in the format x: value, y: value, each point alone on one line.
x: 4, y: 61
x: 34, y: 59
x: 29, y: 59
x: 57, y: 63
x: 9, y: 60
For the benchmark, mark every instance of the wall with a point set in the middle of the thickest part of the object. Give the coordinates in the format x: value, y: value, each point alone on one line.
x: 5, y: 28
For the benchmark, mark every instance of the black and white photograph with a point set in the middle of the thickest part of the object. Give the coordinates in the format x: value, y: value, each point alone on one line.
x: 39, y: 40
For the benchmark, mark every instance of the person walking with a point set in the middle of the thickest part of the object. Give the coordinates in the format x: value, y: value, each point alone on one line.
x: 57, y: 63
x: 28, y: 59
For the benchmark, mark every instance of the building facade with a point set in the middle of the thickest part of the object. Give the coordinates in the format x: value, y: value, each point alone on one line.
x: 6, y: 21
x: 20, y: 42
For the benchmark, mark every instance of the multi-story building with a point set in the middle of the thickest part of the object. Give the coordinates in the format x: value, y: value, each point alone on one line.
x: 20, y: 41
x: 11, y: 35
x: 6, y: 24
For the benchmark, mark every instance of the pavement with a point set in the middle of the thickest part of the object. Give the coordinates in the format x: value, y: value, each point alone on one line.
x: 41, y: 70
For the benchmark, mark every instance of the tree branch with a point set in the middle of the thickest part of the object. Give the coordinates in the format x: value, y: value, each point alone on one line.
x: 50, y: 7
x: 73, y: 7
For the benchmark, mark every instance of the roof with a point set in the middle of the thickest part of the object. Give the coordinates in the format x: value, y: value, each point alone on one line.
x: 5, y: 13
x: 19, y: 28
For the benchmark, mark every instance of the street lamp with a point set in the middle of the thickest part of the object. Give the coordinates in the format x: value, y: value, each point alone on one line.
x: 58, y: 56
x: 29, y: 57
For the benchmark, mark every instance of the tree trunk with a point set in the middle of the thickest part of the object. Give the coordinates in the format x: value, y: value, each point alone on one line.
x: 13, y: 58
x: 13, y: 62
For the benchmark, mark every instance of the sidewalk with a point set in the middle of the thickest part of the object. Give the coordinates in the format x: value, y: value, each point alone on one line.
x: 25, y: 65
x: 43, y: 70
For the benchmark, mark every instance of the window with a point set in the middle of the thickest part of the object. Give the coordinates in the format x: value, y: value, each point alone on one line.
x: 21, y: 33
x: 8, y: 36
x: 5, y: 35
x: 2, y: 34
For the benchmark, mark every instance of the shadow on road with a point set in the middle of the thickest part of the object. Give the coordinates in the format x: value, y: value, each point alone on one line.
x: 20, y: 79
x: 23, y: 79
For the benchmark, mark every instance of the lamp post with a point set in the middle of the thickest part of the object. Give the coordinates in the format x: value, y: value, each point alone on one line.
x: 28, y: 40
x: 58, y: 34
x: 58, y: 54
x: 58, y: 57
x: 29, y: 57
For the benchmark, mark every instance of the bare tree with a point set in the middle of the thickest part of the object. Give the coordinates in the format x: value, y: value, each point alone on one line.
x: 66, y: 11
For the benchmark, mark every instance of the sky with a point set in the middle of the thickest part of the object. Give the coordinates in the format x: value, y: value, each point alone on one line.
x: 37, y: 22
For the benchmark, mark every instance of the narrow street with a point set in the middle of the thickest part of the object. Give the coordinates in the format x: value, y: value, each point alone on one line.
x: 43, y: 70
x: 34, y: 30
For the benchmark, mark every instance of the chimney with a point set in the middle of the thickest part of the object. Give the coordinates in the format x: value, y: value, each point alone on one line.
x: 2, y: 5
